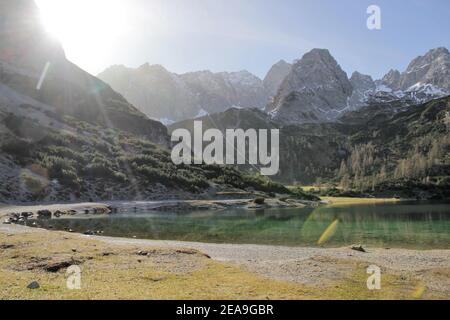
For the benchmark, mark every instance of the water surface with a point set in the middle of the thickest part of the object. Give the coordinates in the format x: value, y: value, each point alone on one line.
x: 405, y: 225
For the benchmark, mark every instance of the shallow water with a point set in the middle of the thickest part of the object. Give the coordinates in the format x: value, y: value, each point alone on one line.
x: 405, y: 225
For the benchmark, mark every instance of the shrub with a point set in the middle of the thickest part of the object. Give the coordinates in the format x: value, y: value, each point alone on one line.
x: 61, y: 169
x: 18, y: 148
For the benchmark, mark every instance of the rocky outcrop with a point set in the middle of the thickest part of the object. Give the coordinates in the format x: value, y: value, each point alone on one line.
x: 316, y: 90
x: 276, y: 76
x: 392, y: 79
x: 363, y: 87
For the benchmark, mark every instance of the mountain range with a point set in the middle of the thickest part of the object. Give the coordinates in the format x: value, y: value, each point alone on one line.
x: 170, y: 97
x: 312, y: 89
x: 389, y: 137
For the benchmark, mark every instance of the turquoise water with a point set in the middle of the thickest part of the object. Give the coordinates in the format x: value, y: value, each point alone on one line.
x: 418, y: 225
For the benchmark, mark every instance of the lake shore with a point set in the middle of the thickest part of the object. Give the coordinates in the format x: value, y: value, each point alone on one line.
x: 186, y: 205
x: 109, y: 207
x: 185, y: 270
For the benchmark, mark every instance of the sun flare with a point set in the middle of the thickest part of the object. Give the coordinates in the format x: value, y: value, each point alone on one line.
x: 85, y: 26
x: 83, y: 18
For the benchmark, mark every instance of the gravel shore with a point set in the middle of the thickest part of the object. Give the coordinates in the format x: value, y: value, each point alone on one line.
x: 306, y: 265
x: 315, y: 265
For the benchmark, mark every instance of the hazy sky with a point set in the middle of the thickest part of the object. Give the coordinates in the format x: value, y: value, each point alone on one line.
x: 231, y: 35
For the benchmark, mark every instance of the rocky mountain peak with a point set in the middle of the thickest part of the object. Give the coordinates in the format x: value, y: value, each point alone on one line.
x: 276, y: 76
x: 392, y: 79
x: 242, y: 77
x: 432, y: 68
x: 358, y: 80
x: 363, y: 85
x: 282, y: 63
x: 147, y: 67
x: 316, y: 90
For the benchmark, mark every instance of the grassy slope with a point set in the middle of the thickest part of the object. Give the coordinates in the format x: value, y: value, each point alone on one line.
x: 117, y: 272
x: 97, y: 163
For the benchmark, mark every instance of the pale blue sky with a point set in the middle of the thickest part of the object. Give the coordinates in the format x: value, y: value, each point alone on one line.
x: 231, y: 35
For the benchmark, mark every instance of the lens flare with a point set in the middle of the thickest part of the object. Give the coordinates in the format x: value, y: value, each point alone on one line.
x: 419, y: 291
x: 329, y: 232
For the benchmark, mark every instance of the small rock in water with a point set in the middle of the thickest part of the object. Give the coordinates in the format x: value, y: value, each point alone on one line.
x: 26, y: 214
x: 33, y: 285
x: 46, y: 214
x: 259, y: 201
x: 359, y: 248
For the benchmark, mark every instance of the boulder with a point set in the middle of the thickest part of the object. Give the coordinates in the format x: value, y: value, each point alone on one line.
x: 33, y: 285
x: 359, y: 248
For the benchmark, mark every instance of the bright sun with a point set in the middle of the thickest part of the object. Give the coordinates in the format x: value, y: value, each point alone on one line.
x: 87, y: 28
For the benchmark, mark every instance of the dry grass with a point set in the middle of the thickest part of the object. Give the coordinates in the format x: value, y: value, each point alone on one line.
x: 338, y: 201
x: 119, y: 272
